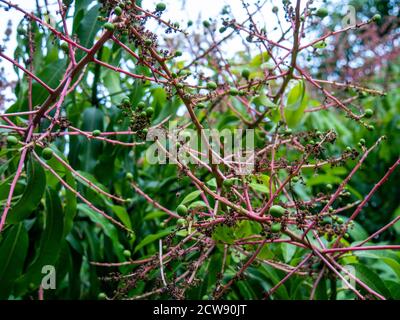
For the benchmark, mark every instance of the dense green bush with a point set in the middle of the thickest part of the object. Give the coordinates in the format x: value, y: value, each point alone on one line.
x: 79, y: 192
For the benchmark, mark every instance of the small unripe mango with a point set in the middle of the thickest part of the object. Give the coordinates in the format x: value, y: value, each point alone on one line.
x: 47, y: 153
x: 182, y: 210
x: 276, y: 211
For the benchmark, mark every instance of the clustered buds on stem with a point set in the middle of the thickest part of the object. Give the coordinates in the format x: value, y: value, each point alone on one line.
x: 266, y: 199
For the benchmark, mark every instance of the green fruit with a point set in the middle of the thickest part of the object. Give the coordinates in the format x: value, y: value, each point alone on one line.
x: 339, y: 220
x: 295, y: 179
x: 102, y: 296
x: 148, y: 42
x: 222, y: 30
x: 276, y: 227
x: 206, y: 24
x: 205, y: 297
x: 346, y: 236
x: 109, y: 26
x: 176, y: 25
x: 96, y: 133
x: 275, y: 9
x: 127, y: 253
x: 145, y: 131
x: 12, y: 141
x: 141, y: 105
x: 184, y: 73
x: 368, y: 113
x: 348, y: 149
x: 181, y: 210
x: 118, y: 11
x: 179, y: 85
x: 276, y: 211
x: 47, y: 153
x: 329, y: 186
x: 211, y: 85
x: 320, y: 44
x: 246, y: 73
x: 377, y: 18
x: 201, y: 105
x: 149, y: 111
x: 371, y: 127
x: 321, y: 12
x: 64, y: 46
x: 161, y: 7
x: 362, y: 141
x: 162, y: 224
x: 126, y: 102
x: 233, y: 91
x: 178, y: 53
x: 129, y: 176
x: 143, y: 114
x: 181, y: 222
x: 189, y: 23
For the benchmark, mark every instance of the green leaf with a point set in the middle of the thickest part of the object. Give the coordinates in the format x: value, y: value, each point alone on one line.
x: 259, y: 59
x: 394, y: 288
x: 382, y: 256
x: 71, y: 203
x: 246, y: 228
x: 259, y: 187
x: 191, y: 196
x: 13, y: 250
x: 112, y: 81
x: 70, y: 197
x: 357, y: 232
x: 91, y: 150
x: 263, y: 100
x: 296, y: 104
x: 274, y: 278
x: 49, y: 246
x: 4, y: 165
x: 224, y: 234
x: 32, y: 195
x: 108, y: 228
x: 122, y: 215
x: 396, y: 226
x: 371, y: 279
x: 288, y: 251
x: 153, y: 237
x: 51, y: 74
x: 88, y: 28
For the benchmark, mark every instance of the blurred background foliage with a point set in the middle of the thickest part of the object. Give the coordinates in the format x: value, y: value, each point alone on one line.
x: 77, y: 235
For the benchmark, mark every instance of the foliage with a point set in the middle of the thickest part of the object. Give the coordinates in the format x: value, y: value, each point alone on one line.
x: 314, y: 219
